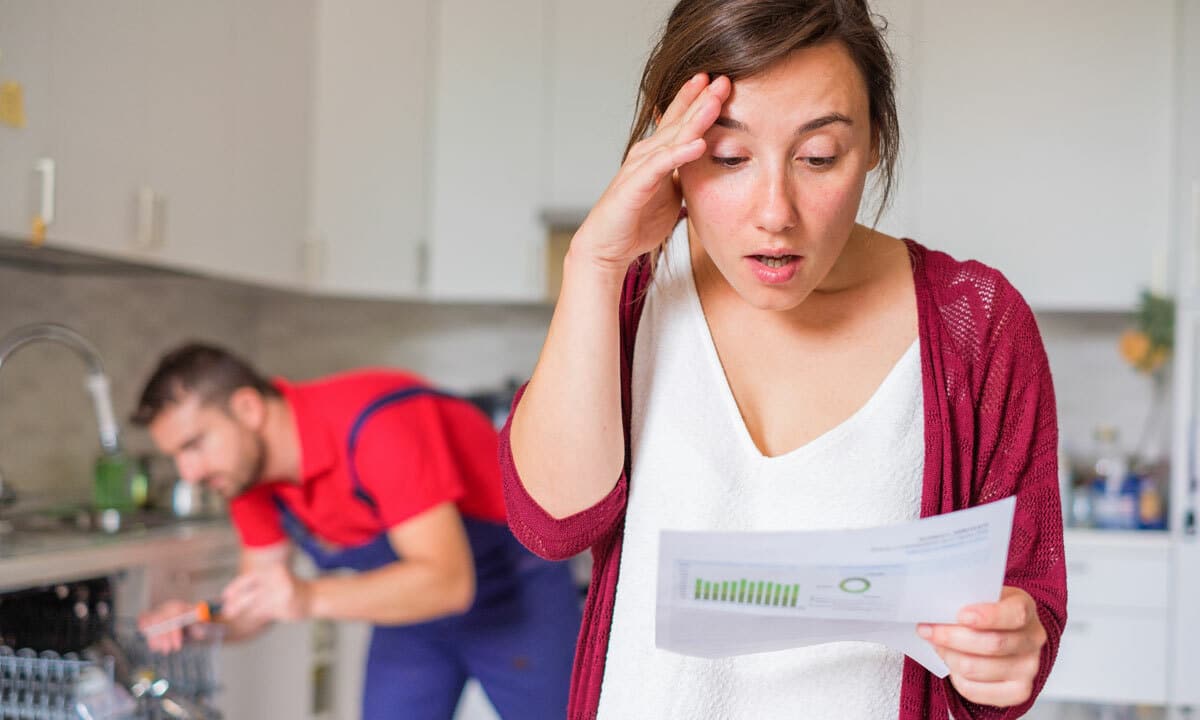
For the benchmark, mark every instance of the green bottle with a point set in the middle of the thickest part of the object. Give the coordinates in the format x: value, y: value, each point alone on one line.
x: 113, y: 475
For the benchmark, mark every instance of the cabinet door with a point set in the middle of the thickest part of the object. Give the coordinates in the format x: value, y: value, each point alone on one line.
x: 1043, y: 145
x: 188, y: 140
x: 99, y: 69
x: 25, y: 31
x: 268, y: 173
x: 597, y: 51
x: 369, y: 155
x: 488, y: 140
x: 227, y: 132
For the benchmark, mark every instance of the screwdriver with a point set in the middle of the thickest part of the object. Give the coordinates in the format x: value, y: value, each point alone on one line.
x: 201, y: 612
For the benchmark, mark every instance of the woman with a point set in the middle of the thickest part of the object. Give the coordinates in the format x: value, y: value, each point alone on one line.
x: 775, y: 365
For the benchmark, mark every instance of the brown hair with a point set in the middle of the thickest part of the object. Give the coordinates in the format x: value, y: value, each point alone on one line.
x: 212, y: 372
x: 741, y: 38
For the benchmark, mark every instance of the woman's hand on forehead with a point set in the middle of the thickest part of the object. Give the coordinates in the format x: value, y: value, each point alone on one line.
x: 641, y: 205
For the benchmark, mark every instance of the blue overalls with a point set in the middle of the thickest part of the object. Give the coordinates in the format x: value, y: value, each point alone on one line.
x: 518, y: 638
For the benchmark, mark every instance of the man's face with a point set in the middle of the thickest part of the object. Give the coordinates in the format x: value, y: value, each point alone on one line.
x: 210, y: 445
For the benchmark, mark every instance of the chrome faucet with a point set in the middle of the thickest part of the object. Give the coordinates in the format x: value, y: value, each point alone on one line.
x: 96, y: 383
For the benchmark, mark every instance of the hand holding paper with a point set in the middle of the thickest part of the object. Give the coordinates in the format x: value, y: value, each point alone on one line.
x: 994, y: 653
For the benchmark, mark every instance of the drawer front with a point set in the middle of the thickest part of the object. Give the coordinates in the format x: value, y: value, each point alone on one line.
x: 1120, y: 577
x: 1116, y: 656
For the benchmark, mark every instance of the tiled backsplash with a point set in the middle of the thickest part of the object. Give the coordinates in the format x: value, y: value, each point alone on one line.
x: 48, y: 434
x: 47, y: 428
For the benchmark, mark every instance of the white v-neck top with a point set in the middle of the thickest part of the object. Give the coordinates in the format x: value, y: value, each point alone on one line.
x: 695, y: 467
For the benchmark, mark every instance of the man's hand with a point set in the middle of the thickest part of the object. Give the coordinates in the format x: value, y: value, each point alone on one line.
x: 266, y: 593
x: 994, y: 652
x: 166, y: 641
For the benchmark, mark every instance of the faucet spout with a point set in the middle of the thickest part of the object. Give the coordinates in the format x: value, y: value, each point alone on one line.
x: 97, y: 381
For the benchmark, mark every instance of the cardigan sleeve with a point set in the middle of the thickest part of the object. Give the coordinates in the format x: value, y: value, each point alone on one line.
x: 1017, y: 454
x: 560, y: 538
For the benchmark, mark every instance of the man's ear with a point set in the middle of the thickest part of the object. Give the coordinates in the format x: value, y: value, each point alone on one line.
x: 248, y: 407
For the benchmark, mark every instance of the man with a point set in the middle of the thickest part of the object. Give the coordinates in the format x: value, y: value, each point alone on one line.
x: 376, y: 472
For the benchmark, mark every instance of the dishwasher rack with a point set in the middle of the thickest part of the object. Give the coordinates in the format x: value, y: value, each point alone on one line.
x: 42, y: 686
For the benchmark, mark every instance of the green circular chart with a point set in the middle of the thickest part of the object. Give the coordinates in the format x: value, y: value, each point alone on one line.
x: 855, y: 585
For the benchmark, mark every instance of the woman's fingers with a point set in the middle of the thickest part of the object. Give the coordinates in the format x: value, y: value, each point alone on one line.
x: 986, y: 668
x: 645, y: 178
x: 683, y: 99
x: 704, y: 112
x: 691, y: 122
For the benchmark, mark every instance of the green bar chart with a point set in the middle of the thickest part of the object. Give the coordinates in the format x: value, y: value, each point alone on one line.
x: 744, y: 591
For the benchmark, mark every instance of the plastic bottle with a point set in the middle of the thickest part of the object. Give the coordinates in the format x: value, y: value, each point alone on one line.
x: 1114, y: 489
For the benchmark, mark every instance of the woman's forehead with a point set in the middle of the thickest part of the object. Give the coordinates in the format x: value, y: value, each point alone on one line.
x: 809, y: 83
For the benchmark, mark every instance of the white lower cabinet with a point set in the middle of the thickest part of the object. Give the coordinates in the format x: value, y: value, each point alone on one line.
x: 1115, y: 646
x: 269, y: 676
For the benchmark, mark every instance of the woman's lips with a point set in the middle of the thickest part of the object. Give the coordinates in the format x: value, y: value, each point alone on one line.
x: 774, y: 269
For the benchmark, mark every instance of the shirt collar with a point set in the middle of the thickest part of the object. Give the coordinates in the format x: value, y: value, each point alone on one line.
x: 318, y: 452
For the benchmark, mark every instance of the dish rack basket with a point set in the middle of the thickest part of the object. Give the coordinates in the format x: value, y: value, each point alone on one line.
x: 42, y: 686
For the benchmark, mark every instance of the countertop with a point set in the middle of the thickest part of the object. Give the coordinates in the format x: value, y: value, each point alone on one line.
x: 39, y: 558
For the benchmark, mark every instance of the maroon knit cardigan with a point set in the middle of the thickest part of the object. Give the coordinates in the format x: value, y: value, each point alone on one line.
x: 990, y: 432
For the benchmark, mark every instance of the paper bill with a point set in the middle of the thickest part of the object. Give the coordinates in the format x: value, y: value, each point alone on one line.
x: 730, y: 593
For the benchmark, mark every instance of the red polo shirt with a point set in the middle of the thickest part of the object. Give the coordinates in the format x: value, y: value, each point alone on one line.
x: 411, y: 456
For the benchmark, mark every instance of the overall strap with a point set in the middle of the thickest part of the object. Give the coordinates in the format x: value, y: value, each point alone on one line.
x: 388, y: 399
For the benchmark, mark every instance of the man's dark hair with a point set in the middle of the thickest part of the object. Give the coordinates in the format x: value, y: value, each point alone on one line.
x: 213, y: 373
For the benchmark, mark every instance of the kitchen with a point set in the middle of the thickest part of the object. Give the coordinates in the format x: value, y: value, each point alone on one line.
x: 249, y: 173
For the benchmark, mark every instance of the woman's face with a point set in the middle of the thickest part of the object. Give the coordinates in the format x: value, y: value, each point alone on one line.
x: 773, y: 200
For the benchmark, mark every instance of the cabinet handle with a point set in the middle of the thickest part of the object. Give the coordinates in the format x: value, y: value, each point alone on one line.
x: 146, y: 236
x: 44, y: 167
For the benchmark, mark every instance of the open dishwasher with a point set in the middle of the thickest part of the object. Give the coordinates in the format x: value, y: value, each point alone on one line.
x: 64, y: 655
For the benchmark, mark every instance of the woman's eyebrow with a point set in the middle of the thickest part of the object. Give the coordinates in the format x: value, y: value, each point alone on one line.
x: 814, y: 124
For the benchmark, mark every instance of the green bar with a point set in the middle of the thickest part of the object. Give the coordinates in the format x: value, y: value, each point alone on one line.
x: 699, y: 587
x: 705, y: 590
x: 724, y: 590
x: 742, y: 591
x: 758, y: 593
x: 795, y: 593
x: 778, y: 593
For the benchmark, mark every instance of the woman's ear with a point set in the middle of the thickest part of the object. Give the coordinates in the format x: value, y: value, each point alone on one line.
x: 248, y: 407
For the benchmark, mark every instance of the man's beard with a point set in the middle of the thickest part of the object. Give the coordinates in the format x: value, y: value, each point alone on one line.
x: 254, y: 473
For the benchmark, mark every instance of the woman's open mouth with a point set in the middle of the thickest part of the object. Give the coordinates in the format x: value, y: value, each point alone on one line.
x: 774, y: 269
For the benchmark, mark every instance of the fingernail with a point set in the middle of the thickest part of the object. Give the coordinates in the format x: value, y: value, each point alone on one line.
x: 925, y: 631
x: 969, y: 618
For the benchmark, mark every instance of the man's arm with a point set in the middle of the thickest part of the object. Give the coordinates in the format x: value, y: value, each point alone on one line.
x: 434, y: 578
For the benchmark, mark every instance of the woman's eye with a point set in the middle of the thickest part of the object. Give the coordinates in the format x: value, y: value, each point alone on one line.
x: 729, y: 162
x: 819, y: 163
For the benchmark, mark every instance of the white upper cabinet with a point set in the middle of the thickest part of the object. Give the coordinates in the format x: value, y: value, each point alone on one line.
x: 178, y: 136
x: 488, y: 151
x: 370, y: 147
x: 269, y: 101
x: 1042, y: 143
x: 25, y: 72
x: 224, y: 182
x: 184, y: 191
x: 597, y: 51
x: 99, y: 80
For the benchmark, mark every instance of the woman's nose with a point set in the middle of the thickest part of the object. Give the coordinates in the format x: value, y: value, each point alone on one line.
x: 777, y: 211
